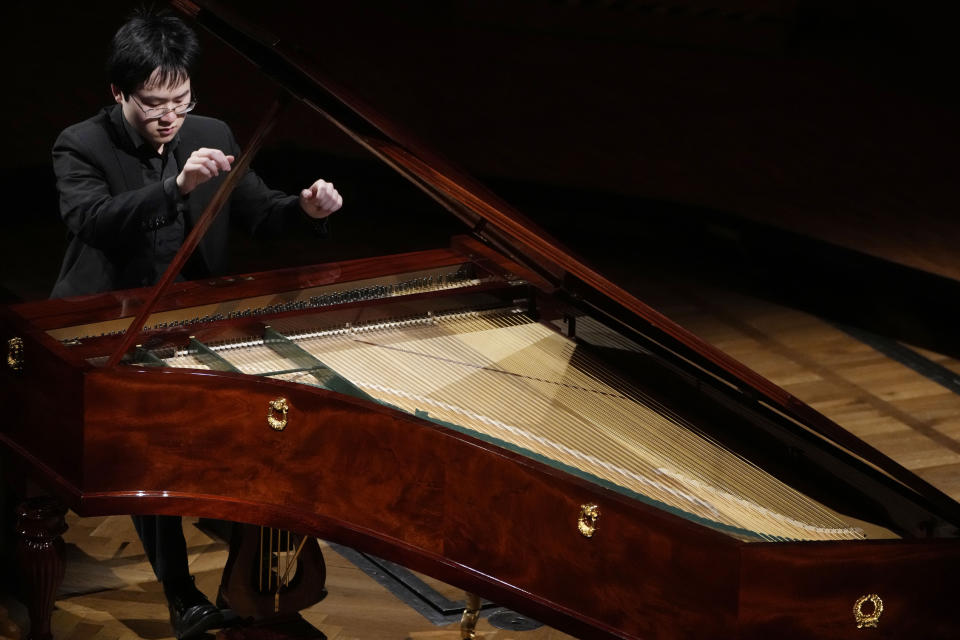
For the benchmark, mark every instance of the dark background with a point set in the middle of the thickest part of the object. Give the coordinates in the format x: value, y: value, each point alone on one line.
x: 802, y: 150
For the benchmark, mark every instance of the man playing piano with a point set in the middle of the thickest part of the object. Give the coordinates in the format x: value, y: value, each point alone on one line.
x: 133, y: 178
x: 132, y: 181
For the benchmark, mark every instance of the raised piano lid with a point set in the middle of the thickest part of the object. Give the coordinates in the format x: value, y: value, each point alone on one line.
x: 499, y: 225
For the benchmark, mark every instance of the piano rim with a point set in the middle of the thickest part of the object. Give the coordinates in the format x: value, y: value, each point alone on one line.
x: 125, y: 500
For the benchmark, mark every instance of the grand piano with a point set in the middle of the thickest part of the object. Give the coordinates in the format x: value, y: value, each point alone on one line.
x: 493, y: 413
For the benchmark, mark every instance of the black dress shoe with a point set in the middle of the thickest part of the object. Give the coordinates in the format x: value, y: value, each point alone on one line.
x: 191, y: 614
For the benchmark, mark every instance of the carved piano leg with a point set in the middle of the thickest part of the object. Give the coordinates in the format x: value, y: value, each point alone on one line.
x: 40, y: 556
x: 471, y: 613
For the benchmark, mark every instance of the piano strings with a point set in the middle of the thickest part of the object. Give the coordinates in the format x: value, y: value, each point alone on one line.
x: 515, y: 381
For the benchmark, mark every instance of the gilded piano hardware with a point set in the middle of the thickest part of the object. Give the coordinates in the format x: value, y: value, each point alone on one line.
x: 281, y: 407
x: 863, y: 618
x: 471, y: 613
x: 15, y: 354
x: 587, y: 522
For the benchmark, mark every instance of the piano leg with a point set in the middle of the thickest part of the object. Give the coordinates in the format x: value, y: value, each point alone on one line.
x: 471, y: 613
x: 40, y: 556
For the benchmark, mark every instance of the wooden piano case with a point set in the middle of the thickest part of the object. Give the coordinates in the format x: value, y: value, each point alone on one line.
x: 137, y: 439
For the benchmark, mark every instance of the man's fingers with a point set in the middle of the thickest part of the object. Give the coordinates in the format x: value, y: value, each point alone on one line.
x: 322, y: 196
x: 331, y: 198
x: 314, y: 191
x: 334, y: 201
x: 205, y: 166
x: 324, y: 199
x: 221, y: 160
x: 202, y: 165
x: 328, y: 195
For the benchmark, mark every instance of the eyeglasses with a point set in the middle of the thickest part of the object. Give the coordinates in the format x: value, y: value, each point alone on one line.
x: 158, y: 112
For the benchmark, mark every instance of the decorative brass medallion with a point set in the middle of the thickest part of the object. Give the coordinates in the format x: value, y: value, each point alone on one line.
x: 863, y: 618
x: 587, y: 522
x: 275, y: 408
x: 15, y: 354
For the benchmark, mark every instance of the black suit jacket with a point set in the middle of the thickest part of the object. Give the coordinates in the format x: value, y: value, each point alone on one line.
x: 112, y: 216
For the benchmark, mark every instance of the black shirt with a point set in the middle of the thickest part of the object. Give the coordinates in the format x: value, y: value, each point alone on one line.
x: 170, y: 230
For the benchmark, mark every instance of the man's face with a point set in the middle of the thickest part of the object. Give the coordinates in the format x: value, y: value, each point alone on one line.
x: 156, y: 131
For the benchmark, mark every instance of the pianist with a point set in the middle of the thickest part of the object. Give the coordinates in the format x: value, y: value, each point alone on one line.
x: 132, y: 180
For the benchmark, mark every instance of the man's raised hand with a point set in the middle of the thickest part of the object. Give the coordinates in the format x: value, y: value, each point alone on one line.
x: 202, y: 165
x: 320, y: 199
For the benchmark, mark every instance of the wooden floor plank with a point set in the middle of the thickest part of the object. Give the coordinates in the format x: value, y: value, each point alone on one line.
x: 904, y: 414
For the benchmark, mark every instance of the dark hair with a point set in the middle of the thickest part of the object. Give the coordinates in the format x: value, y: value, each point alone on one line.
x: 151, y: 40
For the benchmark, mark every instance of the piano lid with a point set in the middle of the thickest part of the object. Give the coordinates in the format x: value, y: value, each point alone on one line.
x: 487, y: 216
x: 496, y: 223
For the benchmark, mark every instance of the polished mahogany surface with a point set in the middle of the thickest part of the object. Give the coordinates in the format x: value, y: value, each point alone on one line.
x: 135, y: 439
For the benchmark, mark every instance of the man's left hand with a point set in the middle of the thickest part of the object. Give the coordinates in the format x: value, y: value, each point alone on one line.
x: 320, y: 200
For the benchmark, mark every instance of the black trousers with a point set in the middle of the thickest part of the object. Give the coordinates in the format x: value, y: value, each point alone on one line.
x: 166, y: 547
